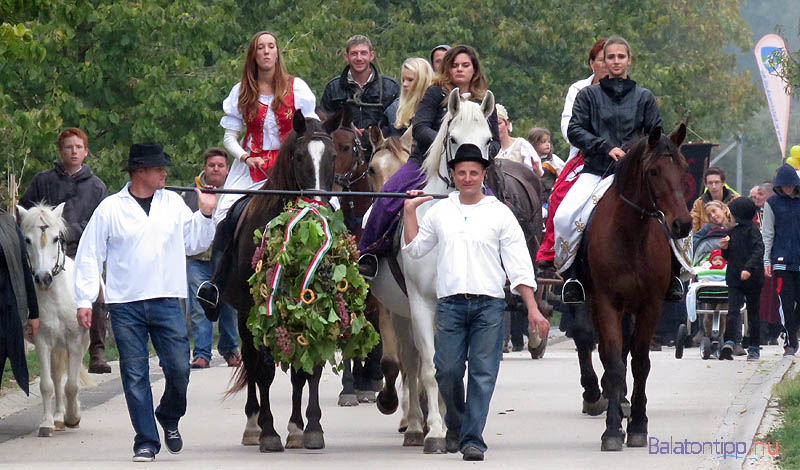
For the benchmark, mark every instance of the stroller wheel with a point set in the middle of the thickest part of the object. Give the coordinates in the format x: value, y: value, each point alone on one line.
x: 680, y: 340
x: 705, y: 348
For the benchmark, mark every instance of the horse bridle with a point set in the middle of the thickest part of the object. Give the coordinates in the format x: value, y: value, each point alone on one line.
x: 61, y: 257
x: 346, y: 180
x: 654, y: 212
x: 314, y: 135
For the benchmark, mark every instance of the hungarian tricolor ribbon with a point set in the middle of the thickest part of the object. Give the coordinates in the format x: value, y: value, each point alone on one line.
x: 315, y: 261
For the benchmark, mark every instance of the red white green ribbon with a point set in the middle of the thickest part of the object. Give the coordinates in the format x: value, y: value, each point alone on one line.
x: 312, y: 268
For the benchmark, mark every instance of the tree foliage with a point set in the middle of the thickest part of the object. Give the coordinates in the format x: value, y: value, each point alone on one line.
x: 132, y: 71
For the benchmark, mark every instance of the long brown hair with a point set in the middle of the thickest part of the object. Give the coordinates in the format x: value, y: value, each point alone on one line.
x: 248, y: 89
x: 478, y: 84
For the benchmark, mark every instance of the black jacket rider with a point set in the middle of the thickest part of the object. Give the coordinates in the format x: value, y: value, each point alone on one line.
x: 610, y: 114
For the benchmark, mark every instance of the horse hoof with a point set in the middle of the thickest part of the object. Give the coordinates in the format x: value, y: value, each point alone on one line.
x: 402, y: 429
x: 59, y: 425
x: 270, y: 444
x: 250, y: 438
x: 74, y: 425
x: 387, y: 402
x: 313, y: 440
x: 435, y: 445
x: 348, y: 400
x: 366, y: 396
x: 45, y: 432
x: 413, y: 439
x: 638, y: 439
x: 597, y: 408
x: 611, y: 444
x: 294, y: 441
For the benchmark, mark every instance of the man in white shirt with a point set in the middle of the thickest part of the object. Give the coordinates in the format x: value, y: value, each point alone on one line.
x: 480, y: 245
x: 143, y: 234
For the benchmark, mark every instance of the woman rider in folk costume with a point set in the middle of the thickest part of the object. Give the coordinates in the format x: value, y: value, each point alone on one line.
x: 606, y: 118
x: 460, y: 69
x: 262, y: 104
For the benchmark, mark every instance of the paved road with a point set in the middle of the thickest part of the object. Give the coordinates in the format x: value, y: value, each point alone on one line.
x: 535, y: 421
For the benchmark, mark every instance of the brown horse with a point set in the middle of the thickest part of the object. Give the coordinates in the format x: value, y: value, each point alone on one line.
x: 628, y: 269
x: 305, y: 161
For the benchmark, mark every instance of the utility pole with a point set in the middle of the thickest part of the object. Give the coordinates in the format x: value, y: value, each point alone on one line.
x: 739, y: 163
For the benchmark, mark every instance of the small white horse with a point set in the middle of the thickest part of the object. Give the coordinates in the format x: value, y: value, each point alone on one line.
x: 464, y: 124
x: 60, y: 342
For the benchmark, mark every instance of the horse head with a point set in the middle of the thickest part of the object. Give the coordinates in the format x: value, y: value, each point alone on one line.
x: 465, y: 128
x: 351, y: 162
x: 653, y: 179
x: 43, y: 229
x: 388, y: 155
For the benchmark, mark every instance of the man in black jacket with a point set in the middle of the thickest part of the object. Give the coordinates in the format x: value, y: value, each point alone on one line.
x: 362, y: 88
x: 72, y: 182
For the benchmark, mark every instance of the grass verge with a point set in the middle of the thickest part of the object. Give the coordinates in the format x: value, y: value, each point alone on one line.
x: 787, y: 436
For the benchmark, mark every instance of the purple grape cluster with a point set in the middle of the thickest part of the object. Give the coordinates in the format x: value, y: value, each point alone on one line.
x: 342, y: 311
x: 282, y: 338
x: 259, y: 253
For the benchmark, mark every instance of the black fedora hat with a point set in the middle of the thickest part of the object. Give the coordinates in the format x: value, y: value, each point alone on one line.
x: 146, y: 155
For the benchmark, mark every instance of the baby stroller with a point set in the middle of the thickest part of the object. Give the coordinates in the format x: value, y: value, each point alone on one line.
x: 707, y: 296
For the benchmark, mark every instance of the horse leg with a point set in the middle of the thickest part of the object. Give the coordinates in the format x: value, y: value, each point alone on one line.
x: 594, y: 404
x: 313, y: 437
x: 252, y: 431
x: 414, y: 434
x: 58, y: 367
x: 423, y: 327
x: 646, y: 324
x: 348, y: 397
x: 269, y: 441
x: 46, y: 386
x: 295, y: 438
x: 628, y: 323
x: 608, y: 323
x: 390, y: 363
x: 72, y: 418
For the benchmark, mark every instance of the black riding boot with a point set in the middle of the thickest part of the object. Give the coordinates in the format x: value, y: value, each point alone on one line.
x: 675, y: 290
x: 572, y: 291
x: 208, y: 294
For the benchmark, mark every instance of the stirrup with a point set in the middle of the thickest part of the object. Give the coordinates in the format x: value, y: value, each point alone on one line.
x: 208, y: 302
x: 676, y: 295
x: 577, y: 297
x: 368, y: 266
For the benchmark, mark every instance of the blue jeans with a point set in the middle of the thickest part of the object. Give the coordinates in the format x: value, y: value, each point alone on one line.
x: 161, y: 320
x: 468, y: 330
x: 202, y: 330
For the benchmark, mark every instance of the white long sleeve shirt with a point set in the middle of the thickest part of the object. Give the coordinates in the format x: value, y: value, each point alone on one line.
x: 480, y: 245
x: 566, y: 114
x: 145, y: 255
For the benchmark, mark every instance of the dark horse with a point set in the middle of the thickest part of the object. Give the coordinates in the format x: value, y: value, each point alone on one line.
x: 628, y: 270
x: 305, y: 161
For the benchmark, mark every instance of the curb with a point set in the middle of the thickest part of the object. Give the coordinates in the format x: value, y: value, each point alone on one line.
x: 744, y: 416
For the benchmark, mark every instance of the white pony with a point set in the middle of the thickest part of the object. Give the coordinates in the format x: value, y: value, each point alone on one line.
x: 60, y: 342
x: 464, y: 124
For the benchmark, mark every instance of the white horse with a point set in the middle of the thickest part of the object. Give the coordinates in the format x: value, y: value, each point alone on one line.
x: 464, y: 124
x: 60, y: 342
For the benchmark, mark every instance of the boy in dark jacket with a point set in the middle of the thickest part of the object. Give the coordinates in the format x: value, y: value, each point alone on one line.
x: 744, y: 251
x: 781, y: 232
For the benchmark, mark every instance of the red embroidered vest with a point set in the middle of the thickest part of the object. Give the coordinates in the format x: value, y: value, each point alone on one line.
x: 255, y: 131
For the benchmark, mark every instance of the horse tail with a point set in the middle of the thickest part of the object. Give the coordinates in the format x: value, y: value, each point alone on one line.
x: 85, y: 379
x: 59, y: 363
x: 237, y: 382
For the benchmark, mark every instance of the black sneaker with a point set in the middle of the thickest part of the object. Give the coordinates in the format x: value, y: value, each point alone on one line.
x: 144, y: 455
x: 368, y: 266
x: 675, y: 290
x: 753, y: 354
x: 208, y: 298
x: 572, y: 292
x: 472, y: 453
x: 726, y: 353
x: 173, y: 441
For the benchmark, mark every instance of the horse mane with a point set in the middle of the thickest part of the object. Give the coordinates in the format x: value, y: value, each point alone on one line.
x: 281, y: 176
x: 631, y: 168
x: 394, y: 145
x: 42, y: 214
x: 468, y: 112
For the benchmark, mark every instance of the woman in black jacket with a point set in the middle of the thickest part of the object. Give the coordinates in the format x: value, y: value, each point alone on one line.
x: 460, y: 69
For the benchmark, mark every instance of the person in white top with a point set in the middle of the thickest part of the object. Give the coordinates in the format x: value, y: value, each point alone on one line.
x: 143, y: 234
x: 598, y: 66
x: 480, y: 245
x: 515, y: 148
x: 262, y: 104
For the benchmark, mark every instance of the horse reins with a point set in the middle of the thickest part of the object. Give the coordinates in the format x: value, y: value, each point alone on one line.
x: 346, y: 180
x: 654, y: 213
x: 61, y: 258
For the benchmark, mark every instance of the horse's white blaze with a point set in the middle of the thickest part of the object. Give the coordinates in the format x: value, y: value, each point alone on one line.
x: 316, y: 148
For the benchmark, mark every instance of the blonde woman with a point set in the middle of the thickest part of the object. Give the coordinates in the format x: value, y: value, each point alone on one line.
x: 416, y: 75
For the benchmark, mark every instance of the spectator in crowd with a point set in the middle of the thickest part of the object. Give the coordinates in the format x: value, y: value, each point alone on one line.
x: 416, y: 75
x: 72, y: 182
x: 515, y: 148
x: 437, y: 56
x: 716, y: 190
